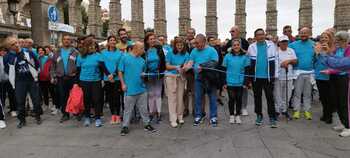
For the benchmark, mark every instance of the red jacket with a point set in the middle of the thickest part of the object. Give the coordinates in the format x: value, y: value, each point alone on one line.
x: 44, y: 74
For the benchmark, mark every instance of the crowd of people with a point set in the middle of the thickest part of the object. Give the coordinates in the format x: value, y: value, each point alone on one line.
x: 133, y: 77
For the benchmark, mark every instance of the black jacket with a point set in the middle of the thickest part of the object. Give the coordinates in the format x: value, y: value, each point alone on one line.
x: 212, y: 78
x: 162, y: 63
x: 244, y: 45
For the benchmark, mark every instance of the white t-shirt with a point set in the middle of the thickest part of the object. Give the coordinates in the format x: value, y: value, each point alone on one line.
x: 288, y: 54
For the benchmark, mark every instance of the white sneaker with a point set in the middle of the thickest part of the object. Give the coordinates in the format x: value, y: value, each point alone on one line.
x: 345, y: 133
x: 53, y: 108
x: 339, y: 127
x: 238, y: 120
x: 181, y: 121
x: 244, y: 112
x: 232, y: 119
x: 13, y: 114
x: 2, y: 124
x: 173, y: 124
x: 54, y: 112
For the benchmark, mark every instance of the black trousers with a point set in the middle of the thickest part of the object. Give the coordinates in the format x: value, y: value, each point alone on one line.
x: 235, y: 100
x: 323, y: 87
x: 23, y: 87
x: 64, y: 85
x: 6, y: 90
x: 47, y: 90
x: 258, y: 86
x: 339, y: 94
x: 2, y: 111
x: 92, y: 97
x: 112, y: 92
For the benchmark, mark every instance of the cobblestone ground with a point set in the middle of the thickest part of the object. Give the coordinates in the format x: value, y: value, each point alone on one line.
x: 293, y: 139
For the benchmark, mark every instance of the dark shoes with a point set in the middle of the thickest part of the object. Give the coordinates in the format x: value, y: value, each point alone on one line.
x: 124, y: 131
x: 21, y: 124
x: 38, y: 120
x: 149, y: 128
x: 64, y: 118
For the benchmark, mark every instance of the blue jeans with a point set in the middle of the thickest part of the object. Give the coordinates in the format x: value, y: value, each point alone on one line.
x: 199, y: 91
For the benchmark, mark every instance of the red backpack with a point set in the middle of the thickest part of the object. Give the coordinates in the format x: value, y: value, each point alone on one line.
x: 75, y: 103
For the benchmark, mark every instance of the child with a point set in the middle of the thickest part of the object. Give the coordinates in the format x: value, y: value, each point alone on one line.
x: 236, y: 63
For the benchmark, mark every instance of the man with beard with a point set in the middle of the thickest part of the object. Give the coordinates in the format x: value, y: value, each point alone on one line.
x: 124, y: 40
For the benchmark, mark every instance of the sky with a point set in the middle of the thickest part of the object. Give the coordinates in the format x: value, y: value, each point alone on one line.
x: 323, y: 15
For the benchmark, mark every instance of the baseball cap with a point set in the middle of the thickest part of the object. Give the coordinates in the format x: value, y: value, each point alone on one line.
x: 283, y: 38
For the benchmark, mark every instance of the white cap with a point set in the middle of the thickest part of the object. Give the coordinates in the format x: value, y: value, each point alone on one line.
x: 283, y: 38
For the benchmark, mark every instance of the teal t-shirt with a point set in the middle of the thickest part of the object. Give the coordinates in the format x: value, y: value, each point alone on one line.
x: 319, y: 66
x: 203, y: 56
x: 89, y: 67
x: 111, y: 60
x: 152, y: 60
x: 43, y: 59
x: 167, y: 49
x: 176, y: 60
x: 304, y: 50
x: 261, y: 70
x: 132, y: 67
x: 65, y: 56
x: 235, y: 66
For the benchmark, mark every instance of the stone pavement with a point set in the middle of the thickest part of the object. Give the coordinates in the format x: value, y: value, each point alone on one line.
x: 293, y: 139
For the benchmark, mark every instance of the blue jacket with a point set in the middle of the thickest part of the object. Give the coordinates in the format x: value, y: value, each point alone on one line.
x: 334, y: 62
x: 21, y: 64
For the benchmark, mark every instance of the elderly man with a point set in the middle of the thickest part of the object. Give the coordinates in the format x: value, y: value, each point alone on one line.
x: 304, y: 50
x: 199, y: 55
x: 236, y: 34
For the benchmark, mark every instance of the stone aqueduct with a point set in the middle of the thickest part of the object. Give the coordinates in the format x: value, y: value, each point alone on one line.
x: 38, y: 12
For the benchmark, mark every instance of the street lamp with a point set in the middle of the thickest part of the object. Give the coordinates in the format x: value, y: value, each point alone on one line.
x: 12, y: 6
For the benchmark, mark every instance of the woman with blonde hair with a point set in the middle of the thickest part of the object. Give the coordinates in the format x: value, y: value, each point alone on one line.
x: 326, y: 45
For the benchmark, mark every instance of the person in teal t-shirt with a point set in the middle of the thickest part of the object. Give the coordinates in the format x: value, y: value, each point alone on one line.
x: 304, y: 50
x: 91, y: 67
x: 323, y: 83
x: 236, y: 64
x: 130, y: 72
x: 112, y: 57
x: 155, y: 65
x: 199, y: 55
x: 263, y: 61
x: 175, y: 81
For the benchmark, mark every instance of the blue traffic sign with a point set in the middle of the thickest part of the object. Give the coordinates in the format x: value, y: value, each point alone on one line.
x: 53, y: 13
